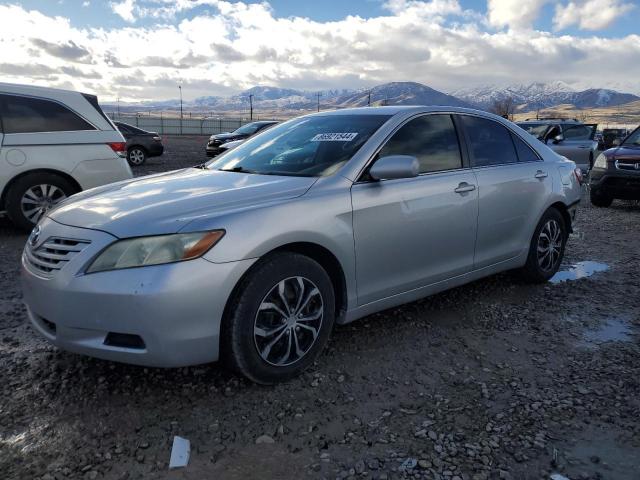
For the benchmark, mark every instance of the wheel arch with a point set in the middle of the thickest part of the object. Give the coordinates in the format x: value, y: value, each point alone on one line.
x: 566, y: 216
x: 327, y: 260
x: 26, y: 173
x: 137, y: 145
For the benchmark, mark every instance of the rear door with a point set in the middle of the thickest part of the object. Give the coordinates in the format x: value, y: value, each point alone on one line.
x: 412, y: 232
x: 514, y: 184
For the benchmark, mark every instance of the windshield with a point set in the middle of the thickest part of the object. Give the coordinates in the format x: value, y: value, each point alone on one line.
x: 248, y: 129
x: 309, y: 146
x: 633, y: 140
x: 536, y: 129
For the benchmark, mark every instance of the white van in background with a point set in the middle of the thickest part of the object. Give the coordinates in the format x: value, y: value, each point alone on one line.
x: 53, y: 143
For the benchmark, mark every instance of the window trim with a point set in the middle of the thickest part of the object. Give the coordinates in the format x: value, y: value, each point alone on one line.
x: 360, y: 178
x: 510, y: 131
x: 3, y: 96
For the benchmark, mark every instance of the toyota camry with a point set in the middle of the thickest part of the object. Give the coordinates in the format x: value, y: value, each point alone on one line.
x: 254, y: 257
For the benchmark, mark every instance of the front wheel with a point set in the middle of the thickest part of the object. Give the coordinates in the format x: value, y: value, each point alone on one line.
x: 546, y: 248
x: 600, y: 200
x: 280, y: 318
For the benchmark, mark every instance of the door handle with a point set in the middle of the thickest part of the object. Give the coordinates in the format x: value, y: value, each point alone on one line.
x: 541, y: 174
x: 465, y: 187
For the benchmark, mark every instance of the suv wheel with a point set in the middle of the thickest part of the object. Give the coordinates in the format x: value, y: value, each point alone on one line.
x: 600, y: 200
x: 547, y: 248
x: 136, y: 156
x: 30, y: 197
x: 280, y: 320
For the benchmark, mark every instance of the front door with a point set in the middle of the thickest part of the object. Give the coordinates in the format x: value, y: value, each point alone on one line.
x: 413, y: 232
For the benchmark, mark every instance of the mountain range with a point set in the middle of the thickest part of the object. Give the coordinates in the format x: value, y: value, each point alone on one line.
x: 526, y: 97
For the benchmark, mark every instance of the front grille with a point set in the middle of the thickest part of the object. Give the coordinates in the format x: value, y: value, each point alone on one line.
x: 627, y: 166
x: 51, y: 255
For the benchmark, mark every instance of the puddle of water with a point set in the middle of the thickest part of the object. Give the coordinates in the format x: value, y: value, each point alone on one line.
x: 579, y: 270
x: 614, y: 330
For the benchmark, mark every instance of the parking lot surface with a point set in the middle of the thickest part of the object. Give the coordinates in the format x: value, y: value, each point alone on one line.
x: 493, y: 380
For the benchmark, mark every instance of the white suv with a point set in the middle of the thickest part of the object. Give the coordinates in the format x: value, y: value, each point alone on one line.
x: 53, y: 143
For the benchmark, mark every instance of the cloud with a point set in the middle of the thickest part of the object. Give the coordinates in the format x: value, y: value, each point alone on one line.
x: 514, y: 14
x: 31, y: 69
x: 124, y: 9
x: 590, y: 14
x: 67, y: 51
x: 228, y: 47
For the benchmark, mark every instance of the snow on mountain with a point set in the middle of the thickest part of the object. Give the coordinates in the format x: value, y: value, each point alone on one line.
x: 538, y: 95
x: 398, y: 93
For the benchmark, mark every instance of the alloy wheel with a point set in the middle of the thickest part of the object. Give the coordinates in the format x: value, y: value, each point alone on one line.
x: 136, y: 156
x: 549, y: 245
x: 39, y: 199
x: 288, y: 321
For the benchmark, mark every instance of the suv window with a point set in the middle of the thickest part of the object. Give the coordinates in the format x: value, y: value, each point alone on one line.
x: 525, y: 152
x: 576, y: 132
x: 29, y: 115
x: 489, y: 142
x: 432, y: 139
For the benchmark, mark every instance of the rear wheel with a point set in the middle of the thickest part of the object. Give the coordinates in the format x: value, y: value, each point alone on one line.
x: 547, y: 248
x: 136, y: 156
x: 280, y: 319
x: 30, y: 197
x: 600, y: 200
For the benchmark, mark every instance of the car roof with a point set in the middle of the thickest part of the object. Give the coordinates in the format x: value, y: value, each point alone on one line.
x: 550, y: 120
x: 404, y: 109
x: 35, y: 89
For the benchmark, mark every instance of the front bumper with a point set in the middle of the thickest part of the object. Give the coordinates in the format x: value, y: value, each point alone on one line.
x: 616, y: 184
x: 156, y: 149
x: 213, y: 151
x: 175, y: 309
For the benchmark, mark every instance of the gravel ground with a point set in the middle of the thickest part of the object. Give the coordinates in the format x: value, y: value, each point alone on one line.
x: 492, y: 380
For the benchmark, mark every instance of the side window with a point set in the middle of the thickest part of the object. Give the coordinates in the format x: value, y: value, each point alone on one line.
x: 29, y: 115
x: 489, y: 142
x: 432, y: 139
x: 577, y: 132
x: 525, y: 152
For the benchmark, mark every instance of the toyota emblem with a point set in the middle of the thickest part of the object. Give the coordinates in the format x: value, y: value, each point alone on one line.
x: 35, y: 235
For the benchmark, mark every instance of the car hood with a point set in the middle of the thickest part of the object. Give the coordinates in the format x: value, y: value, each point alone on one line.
x: 626, y: 153
x: 168, y: 202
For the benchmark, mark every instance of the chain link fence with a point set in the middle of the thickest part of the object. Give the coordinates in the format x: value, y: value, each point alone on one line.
x: 187, y: 125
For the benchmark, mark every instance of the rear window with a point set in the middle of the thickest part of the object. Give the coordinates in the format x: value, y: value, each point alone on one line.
x: 525, y: 152
x: 31, y: 115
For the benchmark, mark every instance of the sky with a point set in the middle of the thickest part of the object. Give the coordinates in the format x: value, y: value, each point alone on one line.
x: 139, y: 50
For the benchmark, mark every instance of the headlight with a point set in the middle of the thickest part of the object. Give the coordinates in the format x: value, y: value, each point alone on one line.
x: 601, y: 161
x: 156, y: 250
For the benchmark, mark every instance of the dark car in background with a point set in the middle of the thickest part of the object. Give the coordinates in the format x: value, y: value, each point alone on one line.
x: 610, y: 135
x: 244, y: 132
x: 616, y: 172
x: 140, y: 143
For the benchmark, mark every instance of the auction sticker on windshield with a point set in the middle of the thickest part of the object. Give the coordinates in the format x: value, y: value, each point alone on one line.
x: 334, y: 137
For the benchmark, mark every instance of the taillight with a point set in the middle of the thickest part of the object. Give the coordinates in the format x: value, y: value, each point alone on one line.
x: 579, y: 176
x: 119, y: 147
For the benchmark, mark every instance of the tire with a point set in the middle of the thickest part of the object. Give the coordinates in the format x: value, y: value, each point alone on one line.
x: 254, y: 339
x: 540, y: 267
x: 136, y: 156
x: 30, y: 197
x: 600, y: 200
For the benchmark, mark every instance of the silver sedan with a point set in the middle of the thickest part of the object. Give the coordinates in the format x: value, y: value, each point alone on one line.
x: 252, y: 258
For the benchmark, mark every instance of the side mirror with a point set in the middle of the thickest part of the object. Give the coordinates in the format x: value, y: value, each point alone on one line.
x: 395, y: 166
x: 557, y: 139
x: 616, y: 142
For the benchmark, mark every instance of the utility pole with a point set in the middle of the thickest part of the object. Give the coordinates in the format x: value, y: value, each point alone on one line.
x: 180, y: 88
x: 369, y: 99
x: 118, y: 107
x: 251, y: 107
x: 318, y: 95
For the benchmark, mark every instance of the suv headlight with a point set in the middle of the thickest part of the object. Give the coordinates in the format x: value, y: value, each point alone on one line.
x: 155, y: 250
x: 601, y: 161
